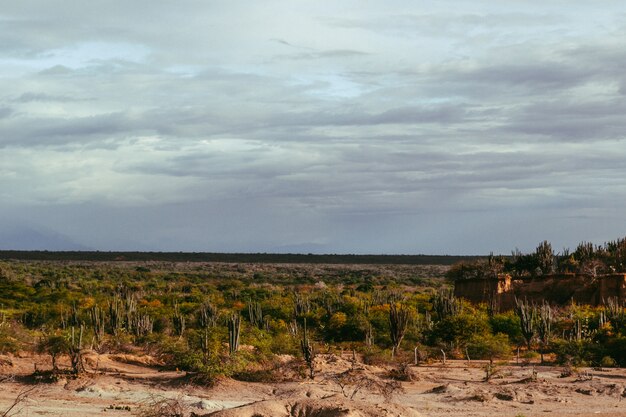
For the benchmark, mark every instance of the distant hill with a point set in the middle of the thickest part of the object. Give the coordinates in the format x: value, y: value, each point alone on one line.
x: 233, y: 257
x: 30, y: 239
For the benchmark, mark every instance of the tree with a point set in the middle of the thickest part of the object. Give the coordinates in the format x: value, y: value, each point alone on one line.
x: 545, y: 257
x: 398, y: 323
x: 54, y: 345
x: 544, y: 326
x: 527, y: 314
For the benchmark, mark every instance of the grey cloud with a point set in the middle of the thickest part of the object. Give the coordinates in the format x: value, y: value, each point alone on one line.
x: 5, y: 112
x: 538, y: 75
x: 445, y: 24
x: 399, y: 129
x: 29, y: 97
x: 331, y: 54
x: 29, y: 132
x: 573, y: 122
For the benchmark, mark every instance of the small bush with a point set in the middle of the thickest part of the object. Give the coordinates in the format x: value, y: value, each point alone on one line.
x: 13, y: 338
x: 489, y: 347
x: 577, y: 353
x: 157, y: 406
x: 608, y: 362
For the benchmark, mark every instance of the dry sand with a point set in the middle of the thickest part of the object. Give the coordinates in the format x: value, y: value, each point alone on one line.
x: 123, y: 385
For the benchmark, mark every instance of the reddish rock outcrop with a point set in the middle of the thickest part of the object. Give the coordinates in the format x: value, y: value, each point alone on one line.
x: 555, y: 288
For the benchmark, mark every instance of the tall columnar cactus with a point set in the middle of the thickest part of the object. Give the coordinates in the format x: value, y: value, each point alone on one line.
x: 398, y: 324
x: 116, y: 314
x: 369, y: 335
x: 330, y: 301
x: 307, y: 351
x: 76, y: 351
x: 545, y: 257
x: 234, y: 328
x: 427, y: 323
x: 255, y: 314
x: 97, y: 322
x: 445, y: 304
x: 130, y: 309
x: 527, y: 314
x: 208, y: 315
x: 74, y: 318
x: 178, y: 321
x: 204, y: 345
x: 142, y: 324
x: 614, y: 312
x: 302, y: 304
x: 544, y: 326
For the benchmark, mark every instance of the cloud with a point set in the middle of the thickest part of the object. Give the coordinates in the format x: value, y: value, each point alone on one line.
x: 310, y: 128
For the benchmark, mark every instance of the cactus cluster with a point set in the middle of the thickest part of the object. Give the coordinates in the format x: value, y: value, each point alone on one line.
x: 234, y: 329
x: 307, y: 351
x: 445, y: 304
x: 398, y: 324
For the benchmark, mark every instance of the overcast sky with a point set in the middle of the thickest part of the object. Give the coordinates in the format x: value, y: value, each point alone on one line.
x: 448, y: 127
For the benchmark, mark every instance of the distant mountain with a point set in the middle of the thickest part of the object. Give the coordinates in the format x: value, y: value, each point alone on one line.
x: 28, y: 238
x: 302, y: 248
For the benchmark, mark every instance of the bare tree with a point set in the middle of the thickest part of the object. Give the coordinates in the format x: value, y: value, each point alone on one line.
x: 398, y: 323
x: 15, y: 409
x: 527, y: 314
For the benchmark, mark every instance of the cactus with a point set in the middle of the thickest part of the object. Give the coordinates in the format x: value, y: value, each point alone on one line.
x: 398, y: 323
x: 527, y: 314
x: 74, y: 319
x: 142, y: 324
x: 614, y: 312
x: 234, y: 327
x: 97, y: 322
x: 302, y: 304
x: 545, y: 257
x: 427, y: 323
x: 116, y: 321
x: 330, y: 301
x: 178, y: 321
x: 204, y: 346
x: 208, y: 315
x: 544, y: 326
x: 307, y: 351
x: 130, y: 308
x: 369, y: 335
x: 76, y: 351
x: 445, y: 304
x: 293, y: 327
x: 255, y: 315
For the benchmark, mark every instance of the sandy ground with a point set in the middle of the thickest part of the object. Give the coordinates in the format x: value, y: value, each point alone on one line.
x: 123, y: 386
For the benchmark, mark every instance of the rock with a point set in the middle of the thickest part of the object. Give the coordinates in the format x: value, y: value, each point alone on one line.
x: 504, y: 396
x: 5, y: 361
x: 440, y: 389
x: 585, y: 391
x: 208, y: 405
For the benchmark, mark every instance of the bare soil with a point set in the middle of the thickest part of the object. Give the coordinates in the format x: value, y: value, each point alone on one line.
x: 125, y: 385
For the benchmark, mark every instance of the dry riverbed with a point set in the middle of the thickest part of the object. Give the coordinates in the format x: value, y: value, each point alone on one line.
x: 125, y: 385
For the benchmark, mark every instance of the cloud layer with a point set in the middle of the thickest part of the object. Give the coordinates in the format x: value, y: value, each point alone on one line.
x: 352, y: 127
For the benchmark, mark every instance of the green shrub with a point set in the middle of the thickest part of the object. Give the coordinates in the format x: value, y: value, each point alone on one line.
x: 13, y: 338
x: 608, y: 362
x: 576, y: 352
x: 488, y: 346
x: 507, y: 323
x: 460, y: 328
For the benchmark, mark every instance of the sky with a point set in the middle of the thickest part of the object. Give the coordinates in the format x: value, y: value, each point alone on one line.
x: 356, y: 126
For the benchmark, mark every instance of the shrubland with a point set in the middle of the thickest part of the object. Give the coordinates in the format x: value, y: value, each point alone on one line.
x: 238, y: 320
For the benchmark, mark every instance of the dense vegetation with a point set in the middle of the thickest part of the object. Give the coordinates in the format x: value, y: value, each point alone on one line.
x: 256, y: 258
x: 216, y: 320
x: 587, y: 259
